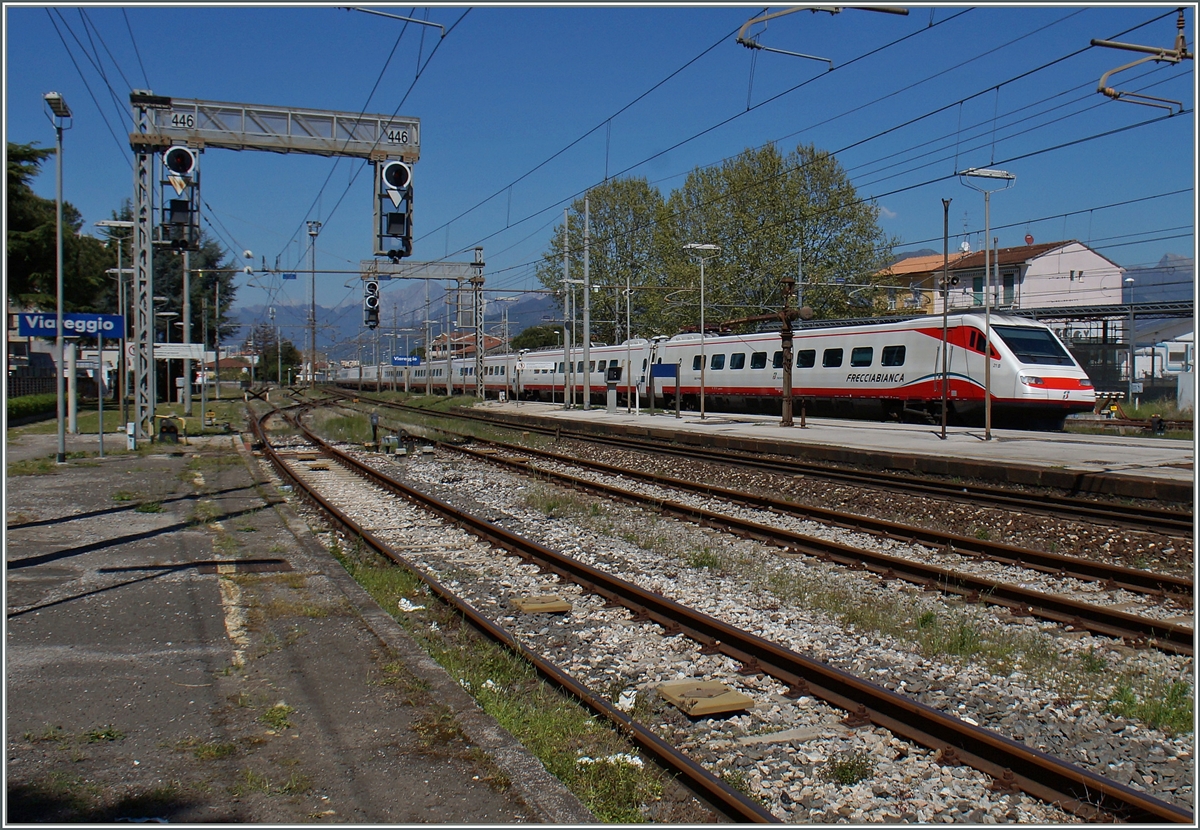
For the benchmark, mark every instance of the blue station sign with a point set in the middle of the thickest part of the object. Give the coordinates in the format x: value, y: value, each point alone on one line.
x: 405, y: 360
x: 40, y: 324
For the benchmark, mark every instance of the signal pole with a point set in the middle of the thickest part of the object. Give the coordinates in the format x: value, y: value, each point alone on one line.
x: 314, y: 228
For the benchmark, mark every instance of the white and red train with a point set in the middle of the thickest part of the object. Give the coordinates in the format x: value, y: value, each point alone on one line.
x: 890, y: 370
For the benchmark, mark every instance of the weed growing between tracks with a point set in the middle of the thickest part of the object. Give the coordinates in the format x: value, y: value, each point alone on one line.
x: 555, y: 728
x: 1166, y: 706
x: 937, y: 629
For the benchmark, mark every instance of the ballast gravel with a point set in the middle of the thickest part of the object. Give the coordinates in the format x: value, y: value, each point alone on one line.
x: 788, y: 753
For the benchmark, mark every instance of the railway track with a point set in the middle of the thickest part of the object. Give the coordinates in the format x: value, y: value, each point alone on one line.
x: 1009, y: 763
x: 1133, y: 629
x: 1110, y: 513
x: 1056, y: 606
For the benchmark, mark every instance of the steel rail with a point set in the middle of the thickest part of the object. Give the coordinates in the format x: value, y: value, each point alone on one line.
x: 1109, y: 513
x: 1134, y: 629
x: 1011, y: 764
x: 1178, y: 588
x: 724, y: 798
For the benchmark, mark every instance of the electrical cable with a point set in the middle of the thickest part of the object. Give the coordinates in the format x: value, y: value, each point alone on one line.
x: 88, y: 87
x: 938, y: 110
x: 133, y: 40
x: 338, y: 160
x: 408, y: 92
x: 564, y: 149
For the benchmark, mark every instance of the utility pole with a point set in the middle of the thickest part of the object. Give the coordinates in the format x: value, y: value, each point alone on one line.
x: 449, y: 357
x: 187, y: 331
x: 785, y: 337
x: 945, y: 303
x: 217, y: 335
x: 477, y: 289
x: 587, y: 312
x: 278, y: 351
x: 203, y: 354
x: 568, y: 314
x: 314, y: 228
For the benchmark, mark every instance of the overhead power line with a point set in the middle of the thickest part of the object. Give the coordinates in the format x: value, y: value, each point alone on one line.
x: 882, y: 133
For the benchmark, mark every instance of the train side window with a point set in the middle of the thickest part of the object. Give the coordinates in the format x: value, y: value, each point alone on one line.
x: 591, y: 365
x: 696, y: 363
x: 861, y: 356
x: 737, y: 361
x: 758, y: 360
x: 777, y: 360
x: 579, y: 367
x: 718, y: 362
x: 892, y: 356
x: 806, y: 358
x: 832, y: 358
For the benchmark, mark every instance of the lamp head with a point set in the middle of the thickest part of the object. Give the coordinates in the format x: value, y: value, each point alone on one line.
x: 57, y: 105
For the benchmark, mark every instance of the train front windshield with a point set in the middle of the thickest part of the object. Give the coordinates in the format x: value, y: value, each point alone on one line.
x: 1034, y: 345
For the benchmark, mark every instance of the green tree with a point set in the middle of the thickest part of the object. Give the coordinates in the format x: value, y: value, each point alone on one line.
x: 622, y: 251
x: 209, y: 267
x: 31, y: 266
x: 275, y: 355
x: 537, y: 337
x: 763, y: 209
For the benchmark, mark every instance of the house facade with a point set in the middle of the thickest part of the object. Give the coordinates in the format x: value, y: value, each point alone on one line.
x: 1046, y: 275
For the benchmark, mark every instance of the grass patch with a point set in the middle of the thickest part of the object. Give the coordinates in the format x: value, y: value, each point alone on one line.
x: 205, y: 512
x: 1165, y: 706
x: 739, y: 781
x: 96, y: 736
x: 555, y: 504
x: 704, y: 558
x: 847, y: 768
x: 149, y: 507
x: 33, y: 467
x: 277, y: 716
x: 555, y: 728
x: 206, y: 750
x: 123, y: 495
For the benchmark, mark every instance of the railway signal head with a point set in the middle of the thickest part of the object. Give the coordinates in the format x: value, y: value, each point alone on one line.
x: 371, y: 303
x: 394, y: 175
x: 393, y: 209
x: 179, y: 160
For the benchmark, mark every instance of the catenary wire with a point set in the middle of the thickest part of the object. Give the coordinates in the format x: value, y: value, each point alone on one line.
x: 88, y: 87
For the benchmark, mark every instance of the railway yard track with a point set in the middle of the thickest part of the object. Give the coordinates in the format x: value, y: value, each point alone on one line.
x: 948, y: 740
x: 1140, y: 517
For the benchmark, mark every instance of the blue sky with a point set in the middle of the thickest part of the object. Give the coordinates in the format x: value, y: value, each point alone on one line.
x: 909, y: 100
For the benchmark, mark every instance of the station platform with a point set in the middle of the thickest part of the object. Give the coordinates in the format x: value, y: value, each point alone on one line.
x: 180, y: 647
x: 1119, y: 465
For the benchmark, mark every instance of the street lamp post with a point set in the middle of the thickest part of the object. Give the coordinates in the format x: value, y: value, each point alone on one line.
x: 314, y: 228
x: 945, y: 302
x: 167, y: 317
x: 59, y: 112
x: 715, y: 249
x: 120, y: 271
x: 187, y: 332
x: 569, y: 367
x: 988, y: 175
x: 1129, y: 285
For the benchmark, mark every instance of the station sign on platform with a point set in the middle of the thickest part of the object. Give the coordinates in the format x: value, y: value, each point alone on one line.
x: 41, y: 324
x: 405, y: 360
x: 179, y: 351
